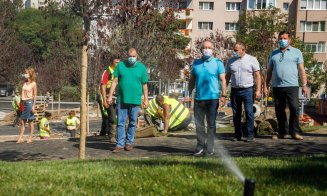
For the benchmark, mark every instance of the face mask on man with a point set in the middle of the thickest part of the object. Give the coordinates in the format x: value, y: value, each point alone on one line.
x: 283, y: 43
x: 235, y: 54
x: 131, y: 60
x: 207, y: 53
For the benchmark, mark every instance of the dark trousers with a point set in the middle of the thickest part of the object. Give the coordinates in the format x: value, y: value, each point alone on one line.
x: 238, y: 97
x: 289, y: 95
x: 107, y: 126
x: 207, y: 109
x: 182, y: 125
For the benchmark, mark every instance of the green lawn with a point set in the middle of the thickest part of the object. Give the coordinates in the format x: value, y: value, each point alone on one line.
x: 164, y: 176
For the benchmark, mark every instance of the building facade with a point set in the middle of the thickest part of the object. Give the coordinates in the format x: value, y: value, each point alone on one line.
x: 201, y: 17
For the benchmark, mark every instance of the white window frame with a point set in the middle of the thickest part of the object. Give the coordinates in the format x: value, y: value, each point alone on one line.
x: 307, y: 26
x: 266, y: 4
x: 233, y: 6
x: 320, y: 47
x: 232, y: 26
x: 209, y: 8
x: 316, y: 4
x: 201, y: 23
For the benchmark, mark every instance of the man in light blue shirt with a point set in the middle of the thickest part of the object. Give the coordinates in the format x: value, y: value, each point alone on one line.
x: 285, y: 66
x: 242, y: 69
x: 208, y: 73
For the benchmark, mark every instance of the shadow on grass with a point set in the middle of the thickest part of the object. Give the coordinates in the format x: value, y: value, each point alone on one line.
x: 165, y: 149
x: 307, y: 171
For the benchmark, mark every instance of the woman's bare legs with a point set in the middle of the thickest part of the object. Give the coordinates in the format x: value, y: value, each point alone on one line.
x: 22, y: 130
x: 31, y: 124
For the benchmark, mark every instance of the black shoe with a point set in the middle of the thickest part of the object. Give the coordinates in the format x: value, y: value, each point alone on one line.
x: 250, y: 139
x: 210, y: 154
x: 199, y: 152
x: 234, y: 139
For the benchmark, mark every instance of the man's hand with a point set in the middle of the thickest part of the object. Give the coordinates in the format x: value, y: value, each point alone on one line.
x: 146, y: 103
x: 257, y: 94
x: 305, y: 91
x: 109, y: 101
x: 222, y: 101
x: 265, y: 91
x: 105, y: 104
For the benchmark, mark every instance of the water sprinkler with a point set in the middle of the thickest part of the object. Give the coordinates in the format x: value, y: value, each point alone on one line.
x: 249, y: 185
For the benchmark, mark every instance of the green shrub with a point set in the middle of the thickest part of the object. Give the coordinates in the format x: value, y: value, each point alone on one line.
x: 70, y: 93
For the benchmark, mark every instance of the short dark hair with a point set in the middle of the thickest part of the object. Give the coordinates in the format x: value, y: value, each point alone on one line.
x: 47, y: 114
x: 284, y: 32
x: 242, y: 44
x: 159, y: 98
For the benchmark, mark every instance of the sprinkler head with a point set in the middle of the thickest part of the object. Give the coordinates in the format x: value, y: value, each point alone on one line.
x: 249, y: 185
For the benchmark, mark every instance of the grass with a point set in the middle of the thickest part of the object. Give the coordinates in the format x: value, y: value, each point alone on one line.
x: 305, y: 175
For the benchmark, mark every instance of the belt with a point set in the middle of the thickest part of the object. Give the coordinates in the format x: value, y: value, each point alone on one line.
x: 27, y: 101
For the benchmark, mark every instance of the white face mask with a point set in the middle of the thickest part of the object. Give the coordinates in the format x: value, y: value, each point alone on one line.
x: 207, y: 52
x: 25, y: 76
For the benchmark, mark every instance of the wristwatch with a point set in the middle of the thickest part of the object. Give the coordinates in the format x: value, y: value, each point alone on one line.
x: 224, y: 96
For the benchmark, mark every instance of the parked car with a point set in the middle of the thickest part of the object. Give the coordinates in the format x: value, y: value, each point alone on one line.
x: 6, y: 89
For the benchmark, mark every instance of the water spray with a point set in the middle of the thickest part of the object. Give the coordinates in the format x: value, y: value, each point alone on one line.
x: 249, y: 186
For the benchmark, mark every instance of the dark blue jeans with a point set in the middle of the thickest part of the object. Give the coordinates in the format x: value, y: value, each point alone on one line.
x: 238, y: 97
x: 208, y: 109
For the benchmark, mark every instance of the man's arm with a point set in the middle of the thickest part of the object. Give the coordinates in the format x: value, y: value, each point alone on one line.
x: 258, y: 84
x: 191, y: 84
x: 104, y: 95
x: 222, y: 98
x: 112, y: 90
x: 227, y: 77
x: 145, y: 95
x: 267, y: 79
x: 303, y: 77
x: 166, y: 117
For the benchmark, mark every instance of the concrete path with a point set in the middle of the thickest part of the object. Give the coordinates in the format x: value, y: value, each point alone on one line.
x: 177, y: 144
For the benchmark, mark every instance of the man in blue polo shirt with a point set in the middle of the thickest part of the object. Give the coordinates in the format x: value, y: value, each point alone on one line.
x: 285, y: 66
x: 208, y: 73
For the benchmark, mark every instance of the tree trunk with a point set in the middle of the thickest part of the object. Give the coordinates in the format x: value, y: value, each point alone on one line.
x: 83, y: 103
x: 87, y: 115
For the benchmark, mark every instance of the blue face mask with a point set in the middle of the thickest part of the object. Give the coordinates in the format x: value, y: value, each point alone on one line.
x: 131, y: 60
x: 283, y: 43
x: 235, y: 55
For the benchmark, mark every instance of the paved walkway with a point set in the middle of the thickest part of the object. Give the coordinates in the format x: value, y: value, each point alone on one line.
x: 180, y: 144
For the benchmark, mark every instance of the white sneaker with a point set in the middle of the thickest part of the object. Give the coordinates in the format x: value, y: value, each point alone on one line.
x: 199, y: 152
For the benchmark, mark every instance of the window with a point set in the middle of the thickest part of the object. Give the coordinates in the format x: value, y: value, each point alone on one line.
x: 260, y: 4
x: 313, y: 4
x: 233, y: 6
x: 206, y: 5
x: 318, y: 26
x: 206, y: 25
x: 285, y: 6
x: 315, y: 47
x: 231, y: 26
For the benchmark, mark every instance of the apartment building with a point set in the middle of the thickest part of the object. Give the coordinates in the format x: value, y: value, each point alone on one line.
x: 201, y: 17
x: 311, y: 20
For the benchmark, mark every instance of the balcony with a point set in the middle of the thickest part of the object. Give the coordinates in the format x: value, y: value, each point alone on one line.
x: 186, y: 32
x: 184, y: 14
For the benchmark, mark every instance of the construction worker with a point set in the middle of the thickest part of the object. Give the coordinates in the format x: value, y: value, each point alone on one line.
x: 44, y: 126
x: 175, y: 115
x: 108, y: 122
x: 151, y: 114
x: 72, y: 123
x: 15, y: 104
